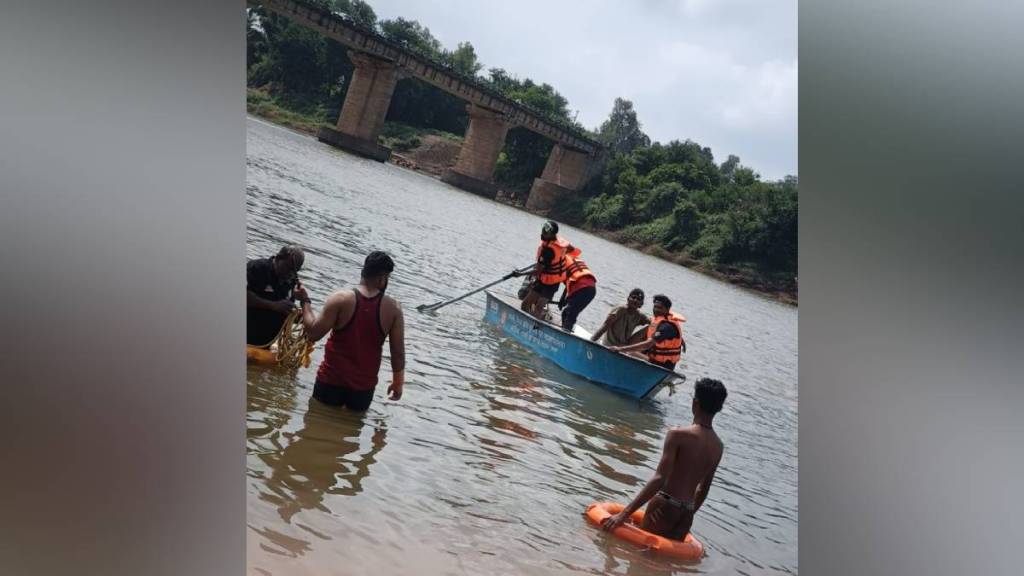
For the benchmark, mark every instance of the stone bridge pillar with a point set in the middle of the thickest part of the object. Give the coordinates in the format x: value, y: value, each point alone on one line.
x: 566, y: 172
x: 474, y: 168
x: 366, y: 105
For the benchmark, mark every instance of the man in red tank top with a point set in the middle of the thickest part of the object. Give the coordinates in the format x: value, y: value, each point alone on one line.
x: 359, y: 321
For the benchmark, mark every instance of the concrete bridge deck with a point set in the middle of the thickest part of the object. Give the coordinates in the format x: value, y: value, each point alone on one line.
x: 380, y: 63
x: 474, y: 91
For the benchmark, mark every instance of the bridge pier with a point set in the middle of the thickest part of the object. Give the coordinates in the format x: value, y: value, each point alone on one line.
x: 474, y: 168
x: 366, y: 105
x: 565, y: 172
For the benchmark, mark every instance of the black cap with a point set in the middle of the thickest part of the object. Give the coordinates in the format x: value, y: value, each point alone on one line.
x: 663, y: 300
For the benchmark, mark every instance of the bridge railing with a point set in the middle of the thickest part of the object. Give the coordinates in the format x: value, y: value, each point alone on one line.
x: 480, y: 84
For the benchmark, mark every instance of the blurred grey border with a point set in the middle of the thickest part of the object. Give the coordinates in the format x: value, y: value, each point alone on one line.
x: 911, y: 242
x: 122, y: 216
x: 122, y: 220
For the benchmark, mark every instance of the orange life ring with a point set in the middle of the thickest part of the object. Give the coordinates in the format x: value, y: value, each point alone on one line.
x: 688, y: 549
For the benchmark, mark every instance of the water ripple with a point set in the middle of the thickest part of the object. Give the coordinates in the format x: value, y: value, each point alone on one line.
x: 489, y: 460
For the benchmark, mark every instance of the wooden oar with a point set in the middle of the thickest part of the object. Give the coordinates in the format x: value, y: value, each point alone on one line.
x: 432, y: 307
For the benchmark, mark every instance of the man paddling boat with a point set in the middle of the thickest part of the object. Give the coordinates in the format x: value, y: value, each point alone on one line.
x: 549, y: 272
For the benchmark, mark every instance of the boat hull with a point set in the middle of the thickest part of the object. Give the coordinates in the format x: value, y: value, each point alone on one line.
x: 619, y: 372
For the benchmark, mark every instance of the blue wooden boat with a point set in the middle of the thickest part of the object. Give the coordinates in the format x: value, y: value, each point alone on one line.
x: 620, y: 372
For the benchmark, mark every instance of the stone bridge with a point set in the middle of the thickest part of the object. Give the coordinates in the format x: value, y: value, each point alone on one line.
x: 380, y: 63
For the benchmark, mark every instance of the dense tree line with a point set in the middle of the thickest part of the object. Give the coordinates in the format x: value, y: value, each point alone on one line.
x: 671, y: 195
x: 675, y: 196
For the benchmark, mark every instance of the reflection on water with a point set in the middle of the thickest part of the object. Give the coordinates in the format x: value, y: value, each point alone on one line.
x: 488, y: 462
x: 324, y: 457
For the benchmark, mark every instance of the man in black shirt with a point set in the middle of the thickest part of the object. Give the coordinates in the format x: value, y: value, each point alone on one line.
x: 269, y: 285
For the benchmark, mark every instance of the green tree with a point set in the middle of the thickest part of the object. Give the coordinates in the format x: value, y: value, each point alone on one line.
x: 661, y: 199
x: 728, y: 167
x: 628, y: 188
x: 255, y: 39
x: 526, y: 152
x: 418, y: 103
x: 686, y: 223
x: 463, y: 59
x: 648, y: 158
x: 359, y: 11
x: 621, y: 132
x: 412, y: 35
x: 294, y: 59
x: 604, y: 211
x: 744, y: 176
x: 668, y: 173
x: 500, y: 80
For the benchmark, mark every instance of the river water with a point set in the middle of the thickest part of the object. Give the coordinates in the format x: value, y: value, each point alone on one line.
x: 488, y: 462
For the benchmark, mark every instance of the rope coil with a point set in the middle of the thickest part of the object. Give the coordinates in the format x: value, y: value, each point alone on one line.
x: 293, y: 349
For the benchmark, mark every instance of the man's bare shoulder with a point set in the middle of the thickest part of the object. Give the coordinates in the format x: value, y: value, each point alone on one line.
x: 682, y: 433
x: 718, y: 439
x: 392, y: 303
x: 341, y: 296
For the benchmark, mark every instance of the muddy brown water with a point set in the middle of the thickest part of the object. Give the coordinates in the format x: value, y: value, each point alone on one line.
x: 487, y: 463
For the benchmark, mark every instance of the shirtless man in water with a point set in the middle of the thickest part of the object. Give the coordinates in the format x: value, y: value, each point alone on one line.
x: 683, y: 478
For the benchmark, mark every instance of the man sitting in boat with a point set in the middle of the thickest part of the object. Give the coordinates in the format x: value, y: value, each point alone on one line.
x: 580, y: 289
x: 269, y: 284
x: 550, y: 270
x: 620, y: 327
x: 688, y: 463
x: 359, y: 321
x: 664, y: 344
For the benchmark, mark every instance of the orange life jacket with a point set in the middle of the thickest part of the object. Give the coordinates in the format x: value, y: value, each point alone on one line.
x: 575, y: 268
x: 553, y: 271
x: 667, y: 350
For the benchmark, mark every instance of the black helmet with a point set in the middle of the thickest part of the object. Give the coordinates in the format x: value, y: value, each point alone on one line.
x: 550, y: 227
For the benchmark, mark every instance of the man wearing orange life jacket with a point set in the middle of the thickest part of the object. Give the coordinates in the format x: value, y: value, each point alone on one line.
x: 549, y: 272
x: 664, y: 344
x: 580, y: 289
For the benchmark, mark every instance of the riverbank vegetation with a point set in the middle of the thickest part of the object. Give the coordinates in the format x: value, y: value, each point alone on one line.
x: 669, y: 199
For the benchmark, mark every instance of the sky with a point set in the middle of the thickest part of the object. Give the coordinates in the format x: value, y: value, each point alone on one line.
x: 722, y: 73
